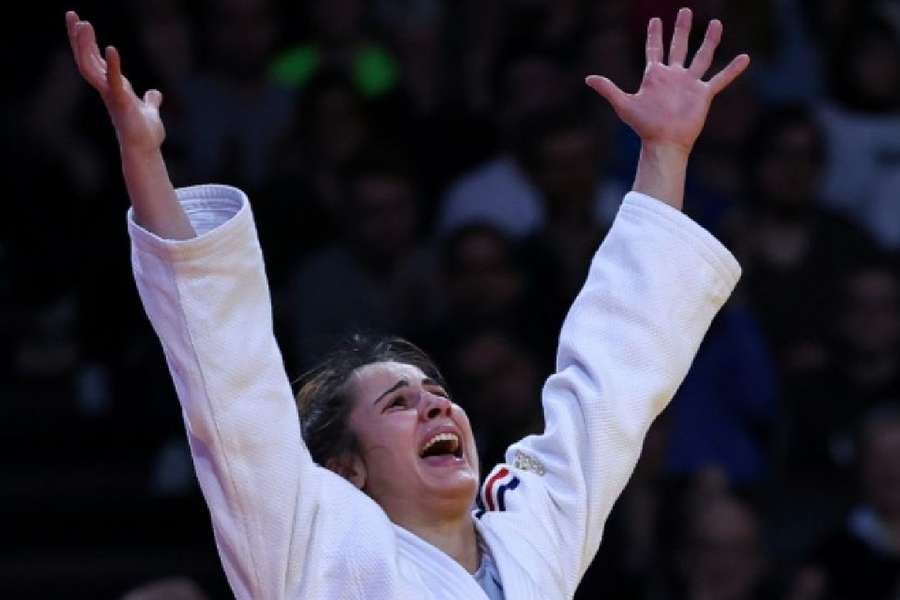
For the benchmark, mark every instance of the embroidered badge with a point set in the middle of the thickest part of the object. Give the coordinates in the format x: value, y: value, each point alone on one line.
x: 495, y: 489
x: 527, y: 463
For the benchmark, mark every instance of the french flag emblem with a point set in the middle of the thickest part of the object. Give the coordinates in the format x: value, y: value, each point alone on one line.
x: 493, y: 493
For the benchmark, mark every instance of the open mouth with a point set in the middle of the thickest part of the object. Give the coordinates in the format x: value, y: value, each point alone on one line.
x: 443, y: 445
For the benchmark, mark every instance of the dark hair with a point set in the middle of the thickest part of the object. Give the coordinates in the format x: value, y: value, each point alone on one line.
x: 324, y: 400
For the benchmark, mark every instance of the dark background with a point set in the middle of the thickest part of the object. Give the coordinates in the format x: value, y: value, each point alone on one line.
x: 438, y: 169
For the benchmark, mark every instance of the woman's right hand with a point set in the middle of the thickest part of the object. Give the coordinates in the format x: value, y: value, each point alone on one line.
x: 140, y: 132
x: 138, y: 125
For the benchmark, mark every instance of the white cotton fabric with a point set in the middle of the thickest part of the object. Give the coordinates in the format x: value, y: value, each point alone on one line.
x: 287, y: 528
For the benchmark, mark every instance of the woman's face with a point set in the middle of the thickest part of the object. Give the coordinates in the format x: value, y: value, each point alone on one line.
x: 418, y: 458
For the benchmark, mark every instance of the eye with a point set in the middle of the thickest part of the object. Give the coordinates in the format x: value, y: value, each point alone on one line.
x: 398, y: 401
x: 440, y: 392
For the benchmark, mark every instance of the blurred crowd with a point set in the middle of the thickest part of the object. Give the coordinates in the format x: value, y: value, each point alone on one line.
x: 438, y: 169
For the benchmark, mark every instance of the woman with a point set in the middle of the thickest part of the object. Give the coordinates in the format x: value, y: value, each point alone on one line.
x: 386, y: 511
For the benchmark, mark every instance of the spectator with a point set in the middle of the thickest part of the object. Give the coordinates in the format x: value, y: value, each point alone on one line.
x: 826, y: 405
x: 796, y: 71
x: 722, y: 553
x: 862, y: 559
x: 788, y: 243
x: 378, y: 277
x: 166, y: 40
x: 233, y: 112
x: 861, y: 121
x: 487, y: 283
x: 502, y: 385
x: 637, y: 538
x: 499, y: 191
x: 564, y: 160
x: 340, y: 42
x: 716, y: 181
x: 303, y: 200
x: 518, y: 191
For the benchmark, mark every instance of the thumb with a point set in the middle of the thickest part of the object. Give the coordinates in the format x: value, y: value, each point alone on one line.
x: 154, y: 98
x: 608, y: 90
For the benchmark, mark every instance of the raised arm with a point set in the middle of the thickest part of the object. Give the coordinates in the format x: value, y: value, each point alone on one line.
x: 652, y: 291
x: 669, y: 110
x: 199, y: 271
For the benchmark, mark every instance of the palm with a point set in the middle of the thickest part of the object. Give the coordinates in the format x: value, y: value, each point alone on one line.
x: 656, y: 113
x: 137, y: 121
x: 671, y: 105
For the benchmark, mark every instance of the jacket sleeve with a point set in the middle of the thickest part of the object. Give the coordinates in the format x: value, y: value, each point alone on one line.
x: 208, y: 301
x: 653, y: 288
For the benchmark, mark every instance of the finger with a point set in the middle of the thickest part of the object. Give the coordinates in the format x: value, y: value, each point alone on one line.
x: 154, y: 98
x: 88, y: 44
x: 704, y: 57
x: 606, y: 88
x: 678, y: 48
x: 724, y: 77
x: 90, y: 64
x: 654, y: 41
x: 72, y: 20
x: 114, y: 71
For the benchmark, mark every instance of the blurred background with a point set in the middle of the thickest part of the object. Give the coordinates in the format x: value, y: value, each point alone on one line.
x: 438, y: 169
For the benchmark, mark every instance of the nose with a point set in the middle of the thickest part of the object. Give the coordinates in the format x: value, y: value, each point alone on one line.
x: 433, y: 406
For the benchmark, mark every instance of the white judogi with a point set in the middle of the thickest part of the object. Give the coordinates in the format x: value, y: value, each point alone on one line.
x: 287, y: 528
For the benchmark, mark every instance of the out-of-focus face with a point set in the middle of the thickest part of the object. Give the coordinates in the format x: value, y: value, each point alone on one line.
x: 504, y: 380
x: 385, y: 216
x: 724, y: 559
x: 568, y: 166
x: 485, y: 280
x: 418, y: 456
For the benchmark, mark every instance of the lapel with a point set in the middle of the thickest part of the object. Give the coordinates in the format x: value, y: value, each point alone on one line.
x: 445, y: 577
x: 514, y: 576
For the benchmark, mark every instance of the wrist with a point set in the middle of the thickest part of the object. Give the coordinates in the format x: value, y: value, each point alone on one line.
x: 138, y: 157
x: 661, y: 172
x: 666, y: 155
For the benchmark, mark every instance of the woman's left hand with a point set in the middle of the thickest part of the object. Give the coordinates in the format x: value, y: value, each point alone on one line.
x: 671, y: 105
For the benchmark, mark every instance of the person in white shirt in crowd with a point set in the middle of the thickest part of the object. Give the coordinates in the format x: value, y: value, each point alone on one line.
x: 861, y: 121
x: 369, y: 493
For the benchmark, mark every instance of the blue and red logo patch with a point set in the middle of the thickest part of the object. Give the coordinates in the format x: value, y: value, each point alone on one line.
x: 493, y: 492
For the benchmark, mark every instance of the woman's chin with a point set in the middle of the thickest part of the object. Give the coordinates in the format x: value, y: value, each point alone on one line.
x: 450, y: 481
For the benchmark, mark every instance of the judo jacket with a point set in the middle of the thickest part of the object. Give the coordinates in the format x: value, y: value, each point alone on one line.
x: 286, y: 527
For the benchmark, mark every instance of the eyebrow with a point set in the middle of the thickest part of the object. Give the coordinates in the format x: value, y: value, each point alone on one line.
x: 404, y: 383
x: 393, y: 388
